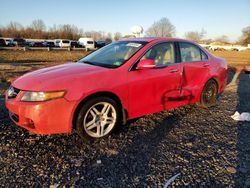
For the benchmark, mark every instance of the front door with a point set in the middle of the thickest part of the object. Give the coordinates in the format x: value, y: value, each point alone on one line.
x: 153, y: 90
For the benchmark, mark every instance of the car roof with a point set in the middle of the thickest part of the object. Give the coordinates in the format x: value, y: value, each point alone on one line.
x: 150, y: 39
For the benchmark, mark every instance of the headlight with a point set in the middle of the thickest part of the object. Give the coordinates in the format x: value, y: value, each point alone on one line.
x: 42, y: 96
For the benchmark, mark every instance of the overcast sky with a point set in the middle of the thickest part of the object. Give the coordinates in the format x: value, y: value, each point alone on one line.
x: 217, y: 17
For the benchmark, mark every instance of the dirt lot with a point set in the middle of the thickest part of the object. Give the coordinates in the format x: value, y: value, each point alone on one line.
x: 206, y: 146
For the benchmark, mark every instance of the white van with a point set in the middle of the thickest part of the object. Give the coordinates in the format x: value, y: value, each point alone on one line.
x: 88, y: 43
x: 62, y: 43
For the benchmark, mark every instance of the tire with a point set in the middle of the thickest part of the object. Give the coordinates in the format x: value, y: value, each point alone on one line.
x: 209, y: 94
x: 98, y: 118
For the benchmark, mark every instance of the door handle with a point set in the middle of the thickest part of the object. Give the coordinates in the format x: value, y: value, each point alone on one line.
x: 173, y: 70
x: 206, y: 65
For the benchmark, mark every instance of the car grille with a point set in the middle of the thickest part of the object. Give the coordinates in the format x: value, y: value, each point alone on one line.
x: 12, y: 92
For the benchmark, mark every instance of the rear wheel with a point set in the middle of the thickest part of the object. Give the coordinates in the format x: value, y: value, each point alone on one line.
x: 98, y: 118
x: 209, y: 94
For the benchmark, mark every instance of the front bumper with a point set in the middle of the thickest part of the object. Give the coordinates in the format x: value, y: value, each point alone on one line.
x: 50, y: 117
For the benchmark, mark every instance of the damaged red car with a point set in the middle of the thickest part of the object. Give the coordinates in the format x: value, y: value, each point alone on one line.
x: 123, y: 80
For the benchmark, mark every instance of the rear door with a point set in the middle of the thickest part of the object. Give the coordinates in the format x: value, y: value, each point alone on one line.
x: 150, y: 89
x: 195, y: 70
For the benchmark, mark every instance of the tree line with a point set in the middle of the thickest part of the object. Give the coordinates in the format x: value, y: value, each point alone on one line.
x: 161, y: 28
x: 38, y: 30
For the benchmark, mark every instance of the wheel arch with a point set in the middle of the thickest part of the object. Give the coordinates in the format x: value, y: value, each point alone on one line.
x: 216, y: 81
x: 99, y: 94
x: 214, y: 78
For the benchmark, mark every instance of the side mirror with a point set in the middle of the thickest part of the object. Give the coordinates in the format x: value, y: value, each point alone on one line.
x: 146, y: 64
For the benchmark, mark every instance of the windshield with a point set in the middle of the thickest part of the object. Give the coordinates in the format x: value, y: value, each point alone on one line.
x: 113, y: 55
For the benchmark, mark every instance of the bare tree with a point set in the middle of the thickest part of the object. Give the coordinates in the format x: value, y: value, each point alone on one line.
x: 195, y: 35
x: 222, y: 39
x: 38, y: 25
x: 68, y: 31
x: 14, y: 26
x: 96, y: 35
x: 53, y: 32
x: 108, y: 37
x: 117, y: 36
x: 13, y: 29
x: 245, y: 38
x: 161, y: 28
x: 129, y: 36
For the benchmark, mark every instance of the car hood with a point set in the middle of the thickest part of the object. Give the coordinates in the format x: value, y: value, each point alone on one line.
x: 56, y: 78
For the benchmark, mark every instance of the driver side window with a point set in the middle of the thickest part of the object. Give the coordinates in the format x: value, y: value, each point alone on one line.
x: 163, y: 54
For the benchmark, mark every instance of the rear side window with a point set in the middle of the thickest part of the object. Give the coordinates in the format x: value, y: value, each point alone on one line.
x: 90, y: 42
x: 190, y: 52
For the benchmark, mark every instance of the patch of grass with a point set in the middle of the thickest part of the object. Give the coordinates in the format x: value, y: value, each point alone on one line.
x: 16, y: 63
x: 235, y: 58
x: 40, y: 56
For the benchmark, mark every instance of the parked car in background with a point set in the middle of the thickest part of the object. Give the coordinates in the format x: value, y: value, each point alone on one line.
x: 88, y: 43
x: 100, y: 43
x: 9, y: 42
x: 36, y: 44
x: 64, y: 43
x: 2, y: 43
x: 124, y: 80
x: 56, y: 42
x: 75, y: 44
x: 28, y: 43
x: 49, y: 44
x: 19, y: 42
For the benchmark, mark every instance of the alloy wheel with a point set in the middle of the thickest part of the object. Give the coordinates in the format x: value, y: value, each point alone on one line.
x: 100, y: 119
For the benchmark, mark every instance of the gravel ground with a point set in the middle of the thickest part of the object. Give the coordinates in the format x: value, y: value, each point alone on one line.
x: 206, y: 146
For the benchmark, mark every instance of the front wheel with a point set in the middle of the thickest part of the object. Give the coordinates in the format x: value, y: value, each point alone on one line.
x: 209, y: 94
x: 98, y: 118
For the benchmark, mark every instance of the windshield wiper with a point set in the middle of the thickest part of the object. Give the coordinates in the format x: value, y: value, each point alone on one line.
x: 107, y: 65
x: 99, y: 64
x: 89, y: 62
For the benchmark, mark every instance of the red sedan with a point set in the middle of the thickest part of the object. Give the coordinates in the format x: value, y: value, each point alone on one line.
x: 124, y: 80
